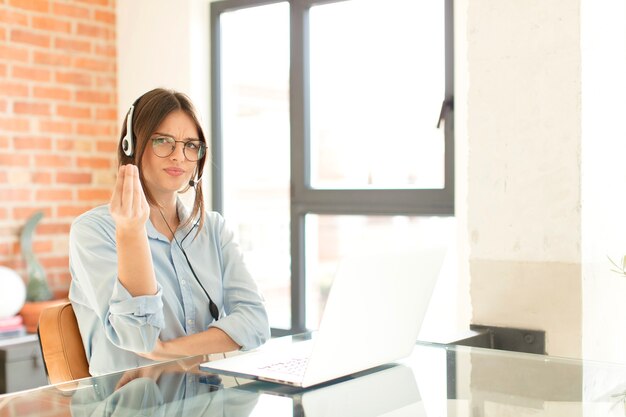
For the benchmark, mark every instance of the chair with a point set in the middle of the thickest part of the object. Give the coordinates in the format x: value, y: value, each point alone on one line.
x: 61, y: 345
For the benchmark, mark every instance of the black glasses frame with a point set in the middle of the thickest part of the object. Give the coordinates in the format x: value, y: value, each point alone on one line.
x: 201, y: 147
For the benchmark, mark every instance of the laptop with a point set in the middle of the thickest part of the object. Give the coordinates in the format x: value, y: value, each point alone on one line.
x: 373, y: 315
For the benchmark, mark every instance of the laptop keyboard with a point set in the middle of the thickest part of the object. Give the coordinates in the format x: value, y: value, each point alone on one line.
x: 294, y: 366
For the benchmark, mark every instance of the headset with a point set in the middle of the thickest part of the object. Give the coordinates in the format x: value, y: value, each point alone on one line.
x: 128, y: 141
x: 212, y: 306
x: 128, y: 146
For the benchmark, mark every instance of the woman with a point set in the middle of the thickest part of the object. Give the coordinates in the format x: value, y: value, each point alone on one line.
x: 150, y: 279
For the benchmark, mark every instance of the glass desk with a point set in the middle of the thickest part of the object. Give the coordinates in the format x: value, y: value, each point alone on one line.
x: 436, y: 380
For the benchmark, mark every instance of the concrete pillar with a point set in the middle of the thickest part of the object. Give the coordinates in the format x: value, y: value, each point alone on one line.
x: 521, y: 205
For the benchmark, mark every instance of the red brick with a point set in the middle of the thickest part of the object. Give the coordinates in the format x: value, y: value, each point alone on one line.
x: 106, y: 146
x: 54, y: 228
x: 49, y: 160
x: 109, y: 51
x: 90, y: 96
x: 54, y: 93
x: 74, y: 112
x: 74, y: 145
x: 32, y: 5
x: 73, y: 178
x: 94, y: 162
x: 5, y: 249
x: 94, y: 64
x: 46, y: 58
x: 13, y: 17
x: 32, y: 142
x: 19, y: 266
x: 38, y: 109
x: 30, y: 73
x: 109, y: 113
x: 50, y: 126
x: 51, y: 24
x: 75, y: 78
x: 62, y: 194
x: 30, y: 38
x: 83, y: 59
x: 21, y: 175
x: 10, y: 53
x: 93, y: 129
x: 13, y: 89
x: 54, y: 261
x: 72, y: 211
x: 42, y: 246
x: 94, y: 195
x: 15, y: 194
x: 64, y: 9
x: 14, y: 124
x: 23, y: 213
x: 105, y: 17
x: 97, y: 2
x: 72, y: 45
x: 10, y: 160
x: 60, y: 289
x: 42, y: 177
x: 106, y: 82
x: 94, y: 31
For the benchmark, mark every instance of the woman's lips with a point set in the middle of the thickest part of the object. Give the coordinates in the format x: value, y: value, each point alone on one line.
x: 175, y: 172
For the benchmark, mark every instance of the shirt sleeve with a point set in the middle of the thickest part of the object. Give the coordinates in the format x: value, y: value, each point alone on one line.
x: 130, y: 323
x: 246, y: 320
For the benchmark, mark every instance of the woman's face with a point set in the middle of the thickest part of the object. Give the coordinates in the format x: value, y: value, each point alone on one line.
x: 167, y: 175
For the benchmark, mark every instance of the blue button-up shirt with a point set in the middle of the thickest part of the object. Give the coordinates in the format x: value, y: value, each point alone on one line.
x: 114, y: 325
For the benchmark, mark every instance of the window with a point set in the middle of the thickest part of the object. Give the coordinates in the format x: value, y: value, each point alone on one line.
x: 328, y: 132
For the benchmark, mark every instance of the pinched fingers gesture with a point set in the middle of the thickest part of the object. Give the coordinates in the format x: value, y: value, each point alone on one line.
x: 129, y: 206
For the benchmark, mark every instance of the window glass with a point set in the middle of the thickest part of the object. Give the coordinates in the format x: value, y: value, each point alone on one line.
x: 331, y: 238
x: 377, y: 80
x: 255, y: 123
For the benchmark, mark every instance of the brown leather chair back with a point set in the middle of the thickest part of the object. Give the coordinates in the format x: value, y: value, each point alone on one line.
x: 61, y: 345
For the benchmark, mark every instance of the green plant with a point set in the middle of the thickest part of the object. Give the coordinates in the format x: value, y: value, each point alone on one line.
x: 618, y: 269
x: 37, y: 287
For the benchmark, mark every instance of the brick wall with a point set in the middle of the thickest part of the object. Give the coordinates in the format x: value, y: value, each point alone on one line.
x: 58, y: 128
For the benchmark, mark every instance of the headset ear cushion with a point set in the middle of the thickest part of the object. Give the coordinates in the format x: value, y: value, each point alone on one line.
x: 128, y: 144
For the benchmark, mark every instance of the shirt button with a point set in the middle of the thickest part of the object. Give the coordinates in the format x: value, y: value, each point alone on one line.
x: 189, y: 321
x: 183, y: 282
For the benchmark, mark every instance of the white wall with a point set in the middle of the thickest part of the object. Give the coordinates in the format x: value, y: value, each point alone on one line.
x: 521, y: 167
x: 542, y: 169
x: 603, y: 37
x: 163, y: 43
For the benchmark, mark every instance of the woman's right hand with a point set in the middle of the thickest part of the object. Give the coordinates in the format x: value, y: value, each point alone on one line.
x: 130, y: 211
x: 129, y: 206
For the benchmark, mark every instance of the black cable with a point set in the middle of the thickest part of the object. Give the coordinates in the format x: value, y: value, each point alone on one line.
x: 212, y: 307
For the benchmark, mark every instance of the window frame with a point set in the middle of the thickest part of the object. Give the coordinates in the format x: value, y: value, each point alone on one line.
x: 304, y: 198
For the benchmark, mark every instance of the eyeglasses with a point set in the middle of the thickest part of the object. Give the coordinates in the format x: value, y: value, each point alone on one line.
x: 164, y: 146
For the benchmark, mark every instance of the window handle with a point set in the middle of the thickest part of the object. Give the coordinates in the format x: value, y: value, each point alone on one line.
x: 446, y: 105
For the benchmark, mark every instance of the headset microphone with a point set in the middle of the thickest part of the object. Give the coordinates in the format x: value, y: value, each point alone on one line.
x: 193, y: 183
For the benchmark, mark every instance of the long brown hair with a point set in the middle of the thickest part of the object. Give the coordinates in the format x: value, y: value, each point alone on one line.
x: 150, y: 111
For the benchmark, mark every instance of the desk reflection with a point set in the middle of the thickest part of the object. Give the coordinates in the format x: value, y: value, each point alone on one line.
x: 169, y: 390
x: 435, y: 381
x: 385, y: 390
